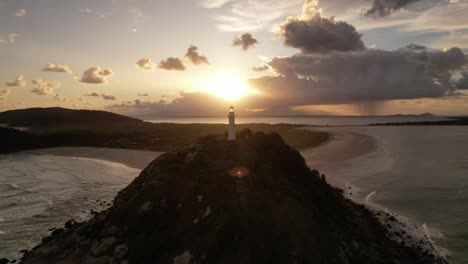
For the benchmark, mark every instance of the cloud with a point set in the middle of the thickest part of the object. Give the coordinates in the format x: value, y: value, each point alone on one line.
x: 202, y: 104
x: 11, y: 38
x: 382, y: 8
x: 18, y: 82
x: 316, y: 34
x: 260, y: 68
x: 21, y: 13
x: 193, y: 55
x: 59, y: 98
x: 96, y: 75
x: 4, y: 94
x: 214, y: 3
x: 250, y: 15
x: 362, y: 76
x: 172, y: 64
x: 462, y: 83
x: 246, y: 41
x: 146, y: 64
x: 102, y: 95
x: 94, y: 94
x: 108, y: 97
x: 50, y: 67
x: 44, y: 87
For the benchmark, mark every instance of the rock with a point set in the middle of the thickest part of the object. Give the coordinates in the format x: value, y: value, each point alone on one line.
x: 57, y: 231
x: 120, y: 252
x: 70, y: 223
x: 4, y: 261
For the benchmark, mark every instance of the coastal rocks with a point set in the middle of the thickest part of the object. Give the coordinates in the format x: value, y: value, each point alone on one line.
x: 186, y: 208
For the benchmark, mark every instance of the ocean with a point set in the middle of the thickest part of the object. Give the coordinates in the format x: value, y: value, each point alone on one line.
x: 418, y: 172
x: 39, y: 192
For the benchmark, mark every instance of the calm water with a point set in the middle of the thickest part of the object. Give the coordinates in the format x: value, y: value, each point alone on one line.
x: 319, y: 121
x: 41, y: 192
x: 420, y: 173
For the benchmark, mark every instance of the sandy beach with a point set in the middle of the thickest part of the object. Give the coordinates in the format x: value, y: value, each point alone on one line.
x: 138, y: 159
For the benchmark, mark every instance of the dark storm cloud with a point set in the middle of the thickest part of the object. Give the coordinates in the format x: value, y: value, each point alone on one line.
x: 362, y: 76
x: 382, y: 8
x: 172, y: 64
x: 320, y: 35
x: 193, y: 55
x: 245, y: 41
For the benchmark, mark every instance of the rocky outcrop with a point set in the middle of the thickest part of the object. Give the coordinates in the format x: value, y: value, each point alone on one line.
x: 249, y: 201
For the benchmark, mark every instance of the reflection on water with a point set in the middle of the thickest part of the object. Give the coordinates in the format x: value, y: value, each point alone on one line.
x: 41, y: 192
x: 417, y: 172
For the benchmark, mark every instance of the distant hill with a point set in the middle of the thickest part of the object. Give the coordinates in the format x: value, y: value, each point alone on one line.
x: 55, y: 116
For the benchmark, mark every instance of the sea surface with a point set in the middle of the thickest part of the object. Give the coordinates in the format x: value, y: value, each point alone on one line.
x: 418, y: 172
x: 39, y: 192
x: 314, y: 120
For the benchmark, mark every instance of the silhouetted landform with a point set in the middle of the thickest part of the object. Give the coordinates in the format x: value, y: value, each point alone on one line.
x: 253, y: 200
x: 453, y: 121
x: 55, y: 116
x: 103, y: 129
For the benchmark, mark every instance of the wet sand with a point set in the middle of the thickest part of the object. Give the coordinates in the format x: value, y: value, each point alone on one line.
x: 138, y: 159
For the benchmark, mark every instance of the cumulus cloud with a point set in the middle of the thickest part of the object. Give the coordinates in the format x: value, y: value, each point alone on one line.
x: 21, y: 13
x: 108, y: 97
x: 11, y: 38
x: 96, y: 75
x: 59, y: 98
x: 362, y: 76
x: 386, y: 7
x: 18, y: 82
x: 50, y: 67
x: 193, y: 55
x: 146, y: 64
x: 245, y: 41
x: 4, y: 94
x: 260, y: 68
x: 44, y: 87
x: 316, y: 34
x: 462, y: 83
x: 102, y: 95
x: 172, y: 64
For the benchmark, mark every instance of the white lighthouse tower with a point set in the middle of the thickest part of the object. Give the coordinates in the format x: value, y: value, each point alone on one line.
x: 232, y: 124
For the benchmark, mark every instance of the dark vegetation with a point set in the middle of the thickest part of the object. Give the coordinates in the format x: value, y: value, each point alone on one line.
x: 56, y: 127
x: 453, y: 121
x: 217, y: 201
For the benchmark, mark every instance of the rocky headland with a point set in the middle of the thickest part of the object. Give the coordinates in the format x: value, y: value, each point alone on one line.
x: 253, y: 200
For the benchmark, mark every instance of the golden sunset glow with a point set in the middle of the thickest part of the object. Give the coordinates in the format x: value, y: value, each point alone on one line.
x: 227, y: 86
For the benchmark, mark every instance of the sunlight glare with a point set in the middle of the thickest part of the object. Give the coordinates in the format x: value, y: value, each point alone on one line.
x: 227, y: 86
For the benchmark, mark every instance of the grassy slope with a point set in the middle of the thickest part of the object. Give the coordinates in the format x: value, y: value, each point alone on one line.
x: 142, y: 135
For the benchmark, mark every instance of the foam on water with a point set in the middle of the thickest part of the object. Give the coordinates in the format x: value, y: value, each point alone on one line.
x: 39, y: 192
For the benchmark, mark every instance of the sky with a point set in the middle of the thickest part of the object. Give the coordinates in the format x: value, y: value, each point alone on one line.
x: 186, y: 58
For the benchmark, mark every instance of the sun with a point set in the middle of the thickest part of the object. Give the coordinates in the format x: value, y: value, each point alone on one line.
x: 227, y: 86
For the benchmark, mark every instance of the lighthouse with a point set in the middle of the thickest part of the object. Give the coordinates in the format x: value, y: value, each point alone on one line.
x: 232, y: 124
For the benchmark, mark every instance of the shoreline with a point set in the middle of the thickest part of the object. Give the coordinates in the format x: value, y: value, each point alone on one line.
x: 137, y: 159
x: 347, y: 147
